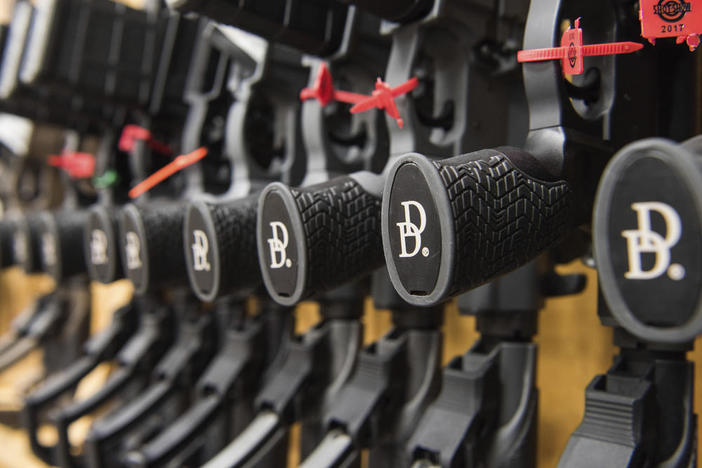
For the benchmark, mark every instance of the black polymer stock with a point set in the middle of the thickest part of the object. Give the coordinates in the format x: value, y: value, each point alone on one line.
x: 158, y: 225
x: 40, y: 61
x: 316, y: 364
x: 640, y: 413
x: 261, y: 142
x: 46, y: 42
x: 169, y: 383
x: 341, y: 309
x: 466, y: 200
x: 213, y: 55
x: 66, y: 260
x: 439, y: 117
x: 47, y: 242
x: 428, y: 49
x: 567, y: 138
x: 101, y: 347
x: 490, y: 211
x: 168, y: 389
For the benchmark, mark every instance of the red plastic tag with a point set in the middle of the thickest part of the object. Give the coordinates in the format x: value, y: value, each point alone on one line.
x: 181, y: 162
x: 383, y: 97
x: 132, y: 133
x: 681, y: 19
x: 323, y: 89
x: 572, y: 50
x: 78, y: 165
x: 572, y: 41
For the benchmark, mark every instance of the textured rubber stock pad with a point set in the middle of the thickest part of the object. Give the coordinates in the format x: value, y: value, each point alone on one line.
x: 342, y: 232
x: 451, y: 225
x: 326, y: 235
x: 151, y: 244
x: 502, y: 217
x: 220, y: 245
x: 62, y: 243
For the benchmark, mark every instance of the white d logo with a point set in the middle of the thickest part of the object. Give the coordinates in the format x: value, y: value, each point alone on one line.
x: 409, y: 229
x: 98, y: 247
x: 277, y: 243
x: 200, y: 248
x: 645, y: 240
x: 133, y: 250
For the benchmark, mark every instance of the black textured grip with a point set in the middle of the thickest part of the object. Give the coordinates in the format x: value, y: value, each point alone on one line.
x: 220, y: 245
x: 484, y: 214
x: 502, y: 217
x: 342, y: 232
x: 62, y: 244
x: 151, y: 238
x: 339, y: 226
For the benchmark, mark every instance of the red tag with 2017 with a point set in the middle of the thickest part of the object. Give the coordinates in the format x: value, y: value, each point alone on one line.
x: 670, y: 18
